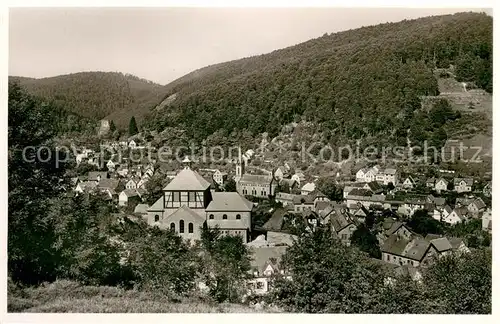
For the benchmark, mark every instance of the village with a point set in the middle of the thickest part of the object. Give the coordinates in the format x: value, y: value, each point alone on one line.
x: 229, y: 198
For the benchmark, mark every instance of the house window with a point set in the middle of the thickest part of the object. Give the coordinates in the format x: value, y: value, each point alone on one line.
x: 224, y: 216
x: 157, y: 217
x: 211, y: 216
x: 238, y: 216
x: 172, y: 226
x: 192, y: 196
x: 177, y: 196
x: 190, y: 228
x: 260, y: 285
x: 388, y: 257
x: 181, y: 226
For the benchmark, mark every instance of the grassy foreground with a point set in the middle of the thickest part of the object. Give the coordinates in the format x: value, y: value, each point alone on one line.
x: 70, y: 297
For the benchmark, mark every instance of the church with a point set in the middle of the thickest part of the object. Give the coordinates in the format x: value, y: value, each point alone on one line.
x: 187, y: 203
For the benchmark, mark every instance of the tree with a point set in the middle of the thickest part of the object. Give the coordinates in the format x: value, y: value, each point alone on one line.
x: 112, y: 126
x: 328, y: 187
x: 366, y: 241
x: 132, y: 127
x: 154, y: 187
x: 424, y: 224
x: 226, y: 263
x: 230, y: 185
x: 460, y: 283
x: 328, y: 277
x: 390, y: 186
x: 32, y: 182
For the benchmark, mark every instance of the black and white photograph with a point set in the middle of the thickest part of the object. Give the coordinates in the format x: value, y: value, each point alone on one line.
x: 334, y: 160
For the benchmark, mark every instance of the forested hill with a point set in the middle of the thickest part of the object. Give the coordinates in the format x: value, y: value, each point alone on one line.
x: 354, y: 84
x: 97, y: 94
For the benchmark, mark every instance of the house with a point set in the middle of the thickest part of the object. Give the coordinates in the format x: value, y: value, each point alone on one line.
x: 477, y: 206
x: 463, y: 184
x: 298, y: 177
x: 441, y: 185
x: 285, y: 198
x: 272, y: 238
x: 191, y: 192
x: 280, y: 173
x: 122, y: 170
x: 430, y: 183
x: 409, y: 183
x: 456, y: 216
x: 440, y: 213
x: 113, y: 184
x: 387, y: 176
x: 463, y: 201
x: 487, y: 189
x: 347, y: 189
x: 219, y: 177
x: 131, y: 184
x: 86, y: 186
x: 231, y: 212
x: 307, y: 188
x: 303, y: 203
x: 111, y: 165
x: 374, y: 187
x: 343, y: 225
x: 96, y: 176
x: 361, y: 175
x: 126, y: 195
x: 486, y: 221
x: 132, y: 144
x: 290, y: 183
x: 411, y: 252
x: 264, y: 265
x: 256, y: 185
x: 142, y: 183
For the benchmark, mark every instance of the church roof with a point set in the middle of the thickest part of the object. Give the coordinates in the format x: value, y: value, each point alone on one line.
x: 229, y: 201
x: 187, y: 179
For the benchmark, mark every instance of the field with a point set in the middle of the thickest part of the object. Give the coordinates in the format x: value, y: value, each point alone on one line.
x: 70, y: 297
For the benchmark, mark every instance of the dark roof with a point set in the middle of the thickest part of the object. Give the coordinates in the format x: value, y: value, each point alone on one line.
x: 254, y: 178
x: 441, y: 244
x: 321, y: 205
x: 94, y: 174
x: 414, y: 249
x: 340, y: 221
x: 359, y: 192
x: 374, y: 186
x: 308, y: 199
x: 275, y: 223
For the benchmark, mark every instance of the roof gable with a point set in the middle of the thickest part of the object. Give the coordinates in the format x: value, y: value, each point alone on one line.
x: 186, y: 180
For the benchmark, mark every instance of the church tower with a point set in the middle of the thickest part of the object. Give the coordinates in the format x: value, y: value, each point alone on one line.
x: 240, y: 167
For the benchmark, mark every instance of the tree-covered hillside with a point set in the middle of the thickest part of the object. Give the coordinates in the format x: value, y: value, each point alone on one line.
x: 353, y: 84
x: 97, y: 94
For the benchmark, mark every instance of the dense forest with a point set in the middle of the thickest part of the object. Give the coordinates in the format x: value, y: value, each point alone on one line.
x: 354, y: 84
x: 97, y: 94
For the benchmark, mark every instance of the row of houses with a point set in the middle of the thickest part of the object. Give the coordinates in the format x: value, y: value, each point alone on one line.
x: 376, y: 173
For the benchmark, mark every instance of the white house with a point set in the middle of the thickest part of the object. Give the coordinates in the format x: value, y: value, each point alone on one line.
x: 441, y: 185
x: 125, y: 195
x: 298, y: 177
x: 111, y: 165
x: 132, y: 144
x: 307, y: 188
x: 440, y: 213
x: 219, y: 177
x: 409, y: 183
x: 131, y: 184
x: 463, y: 184
x: 456, y: 216
x: 486, y: 220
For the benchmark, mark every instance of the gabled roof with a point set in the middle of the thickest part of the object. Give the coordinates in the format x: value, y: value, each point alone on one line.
x: 374, y: 186
x: 184, y: 212
x: 310, y: 186
x: 468, y: 181
x: 187, y: 179
x: 275, y: 223
x: 430, y: 180
x: 229, y: 201
x: 321, y: 205
x: 303, y: 199
x: 260, y: 256
x: 109, y: 183
x: 479, y: 203
x: 441, y: 244
x: 141, y: 208
x: 390, y: 171
x: 414, y: 249
x: 130, y: 192
x: 340, y: 220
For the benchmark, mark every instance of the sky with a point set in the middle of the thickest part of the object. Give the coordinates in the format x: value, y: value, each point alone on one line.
x: 163, y: 44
